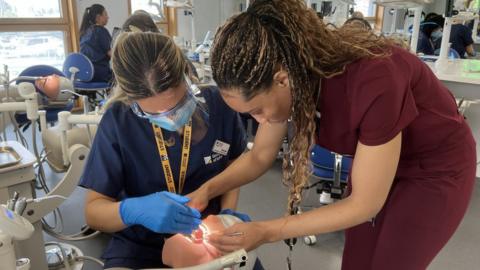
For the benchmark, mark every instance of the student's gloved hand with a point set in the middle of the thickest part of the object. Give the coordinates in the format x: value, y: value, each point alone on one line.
x: 161, y: 212
x: 242, y: 216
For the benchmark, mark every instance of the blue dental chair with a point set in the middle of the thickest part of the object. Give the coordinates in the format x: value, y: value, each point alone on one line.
x: 80, y: 70
x: 52, y: 108
x: 331, y: 171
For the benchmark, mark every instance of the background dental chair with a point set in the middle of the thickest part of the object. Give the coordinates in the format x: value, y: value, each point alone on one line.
x: 63, y: 102
x: 79, y: 69
x: 51, y: 139
x: 331, y: 171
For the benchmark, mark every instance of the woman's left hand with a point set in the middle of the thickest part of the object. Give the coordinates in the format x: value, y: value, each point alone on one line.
x: 243, y: 235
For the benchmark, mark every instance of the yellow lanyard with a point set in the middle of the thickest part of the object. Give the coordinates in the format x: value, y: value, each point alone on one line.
x: 162, y: 150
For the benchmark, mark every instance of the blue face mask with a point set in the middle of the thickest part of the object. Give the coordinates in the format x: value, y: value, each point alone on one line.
x: 175, y: 118
x: 436, y: 35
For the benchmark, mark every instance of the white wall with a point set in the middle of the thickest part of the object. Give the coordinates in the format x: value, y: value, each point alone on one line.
x: 438, y: 6
x: 210, y: 14
x: 117, y: 11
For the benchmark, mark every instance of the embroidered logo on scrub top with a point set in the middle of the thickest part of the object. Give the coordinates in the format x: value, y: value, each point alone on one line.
x: 170, y: 142
x: 212, y: 159
x: 221, y: 148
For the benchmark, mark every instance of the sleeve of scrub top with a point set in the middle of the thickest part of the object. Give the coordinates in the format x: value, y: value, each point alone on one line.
x: 383, y: 104
x: 104, y: 39
x: 103, y: 172
x: 467, y: 36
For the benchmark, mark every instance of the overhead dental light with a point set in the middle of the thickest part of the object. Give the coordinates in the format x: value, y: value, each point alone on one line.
x: 402, y: 4
x: 158, y: 5
x: 179, y: 4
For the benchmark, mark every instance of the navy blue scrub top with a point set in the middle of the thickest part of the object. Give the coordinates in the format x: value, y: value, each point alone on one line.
x: 460, y: 37
x: 424, y: 45
x: 95, y: 44
x: 124, y: 162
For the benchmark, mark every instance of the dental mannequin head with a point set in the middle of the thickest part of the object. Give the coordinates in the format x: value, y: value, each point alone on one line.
x: 181, y: 251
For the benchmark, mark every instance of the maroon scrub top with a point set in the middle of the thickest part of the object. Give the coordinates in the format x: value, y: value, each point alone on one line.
x: 371, y: 102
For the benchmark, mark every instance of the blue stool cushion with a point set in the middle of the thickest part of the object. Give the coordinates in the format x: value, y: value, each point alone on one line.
x: 328, y: 174
x: 323, y: 158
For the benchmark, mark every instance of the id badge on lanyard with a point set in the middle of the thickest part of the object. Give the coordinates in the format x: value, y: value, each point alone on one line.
x: 167, y: 168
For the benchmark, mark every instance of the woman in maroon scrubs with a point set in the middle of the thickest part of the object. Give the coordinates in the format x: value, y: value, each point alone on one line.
x: 354, y: 93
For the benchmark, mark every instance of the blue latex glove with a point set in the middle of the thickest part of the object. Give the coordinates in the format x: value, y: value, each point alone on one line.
x: 161, y: 212
x: 242, y: 216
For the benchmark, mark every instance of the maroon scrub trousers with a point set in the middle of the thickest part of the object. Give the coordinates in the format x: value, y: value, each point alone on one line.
x: 373, y: 101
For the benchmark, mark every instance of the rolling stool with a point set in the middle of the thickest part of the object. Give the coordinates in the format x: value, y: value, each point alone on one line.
x: 80, y: 70
x: 330, y: 170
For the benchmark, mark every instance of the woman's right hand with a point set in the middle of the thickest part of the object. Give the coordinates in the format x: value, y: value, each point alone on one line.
x: 161, y: 212
x: 199, y: 198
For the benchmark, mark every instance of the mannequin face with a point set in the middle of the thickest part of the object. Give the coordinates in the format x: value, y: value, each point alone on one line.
x: 180, y: 251
x: 49, y: 85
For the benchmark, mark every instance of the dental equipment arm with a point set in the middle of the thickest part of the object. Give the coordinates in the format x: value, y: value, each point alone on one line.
x: 40, y: 207
x: 30, y: 105
x: 416, y: 29
x: 65, y: 120
x: 12, y: 227
x: 74, y: 157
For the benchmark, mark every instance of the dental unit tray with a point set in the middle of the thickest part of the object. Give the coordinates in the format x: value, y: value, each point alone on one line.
x: 8, y: 156
x: 402, y: 4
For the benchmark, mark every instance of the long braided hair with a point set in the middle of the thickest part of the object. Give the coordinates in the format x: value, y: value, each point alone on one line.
x: 275, y: 35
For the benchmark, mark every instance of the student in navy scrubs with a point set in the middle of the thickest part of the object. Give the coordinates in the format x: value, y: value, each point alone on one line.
x: 356, y: 94
x: 430, y: 35
x: 462, y: 41
x: 460, y: 36
x: 95, y: 41
x: 157, y: 129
